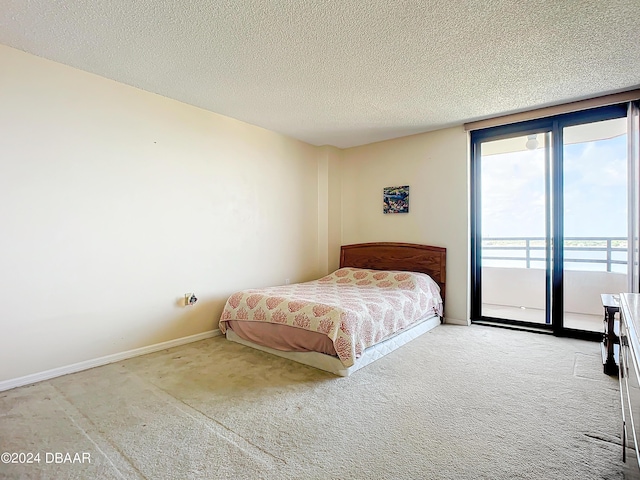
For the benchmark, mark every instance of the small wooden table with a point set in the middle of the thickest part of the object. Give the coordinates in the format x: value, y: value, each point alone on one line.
x: 610, y: 339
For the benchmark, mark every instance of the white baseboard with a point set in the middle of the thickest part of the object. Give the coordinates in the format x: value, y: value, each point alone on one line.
x: 97, y: 362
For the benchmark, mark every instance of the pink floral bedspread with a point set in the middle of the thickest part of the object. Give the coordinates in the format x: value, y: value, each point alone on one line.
x: 355, y: 308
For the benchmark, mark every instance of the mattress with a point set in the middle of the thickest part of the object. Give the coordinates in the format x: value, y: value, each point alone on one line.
x: 333, y: 364
x: 355, y: 308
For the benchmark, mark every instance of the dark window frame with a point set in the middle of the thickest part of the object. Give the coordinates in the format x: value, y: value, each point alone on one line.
x: 554, y: 271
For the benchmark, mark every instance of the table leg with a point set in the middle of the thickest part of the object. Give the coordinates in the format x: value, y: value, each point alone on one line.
x: 610, y: 367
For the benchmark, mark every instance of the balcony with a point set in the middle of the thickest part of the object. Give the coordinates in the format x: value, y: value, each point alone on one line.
x: 514, y: 277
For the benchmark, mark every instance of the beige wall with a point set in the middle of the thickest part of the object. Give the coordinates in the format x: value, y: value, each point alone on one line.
x: 329, y: 205
x: 116, y: 202
x: 435, y: 167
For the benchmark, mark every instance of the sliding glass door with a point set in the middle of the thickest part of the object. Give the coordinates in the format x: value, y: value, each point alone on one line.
x: 515, y: 227
x: 549, y: 220
x: 595, y: 219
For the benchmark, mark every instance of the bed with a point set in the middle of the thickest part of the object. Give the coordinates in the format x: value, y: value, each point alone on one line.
x: 383, y: 295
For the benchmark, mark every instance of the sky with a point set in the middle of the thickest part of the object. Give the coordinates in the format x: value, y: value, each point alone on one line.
x: 595, y: 196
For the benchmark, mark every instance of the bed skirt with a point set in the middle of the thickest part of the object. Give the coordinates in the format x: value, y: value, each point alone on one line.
x: 333, y: 364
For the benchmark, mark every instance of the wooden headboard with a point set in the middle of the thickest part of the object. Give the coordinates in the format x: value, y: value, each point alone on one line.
x: 398, y: 256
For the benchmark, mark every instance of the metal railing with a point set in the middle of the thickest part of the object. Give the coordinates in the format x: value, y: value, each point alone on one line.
x: 530, y: 245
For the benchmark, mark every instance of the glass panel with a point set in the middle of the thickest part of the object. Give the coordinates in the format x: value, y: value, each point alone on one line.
x: 595, y: 219
x: 514, y: 226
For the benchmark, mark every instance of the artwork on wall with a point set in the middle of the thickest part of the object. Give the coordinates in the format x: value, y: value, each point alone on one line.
x: 395, y: 199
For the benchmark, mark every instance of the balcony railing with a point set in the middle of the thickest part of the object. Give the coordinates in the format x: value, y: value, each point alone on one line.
x: 607, y: 251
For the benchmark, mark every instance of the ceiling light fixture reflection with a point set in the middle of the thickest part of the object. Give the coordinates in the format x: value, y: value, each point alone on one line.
x: 532, y: 142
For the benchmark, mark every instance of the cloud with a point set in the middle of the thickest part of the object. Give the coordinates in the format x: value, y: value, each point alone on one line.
x: 513, y: 194
x: 595, y: 184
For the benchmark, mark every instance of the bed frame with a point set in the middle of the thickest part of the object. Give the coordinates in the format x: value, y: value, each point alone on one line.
x: 376, y: 256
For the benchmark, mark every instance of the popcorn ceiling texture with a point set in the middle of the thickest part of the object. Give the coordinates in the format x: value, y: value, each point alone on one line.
x: 347, y: 72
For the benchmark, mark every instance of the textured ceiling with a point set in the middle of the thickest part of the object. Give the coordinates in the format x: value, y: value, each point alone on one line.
x: 343, y: 72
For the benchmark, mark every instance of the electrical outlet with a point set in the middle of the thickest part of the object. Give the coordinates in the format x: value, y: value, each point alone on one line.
x: 286, y: 281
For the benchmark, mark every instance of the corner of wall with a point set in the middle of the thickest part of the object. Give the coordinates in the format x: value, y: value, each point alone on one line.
x: 329, y: 208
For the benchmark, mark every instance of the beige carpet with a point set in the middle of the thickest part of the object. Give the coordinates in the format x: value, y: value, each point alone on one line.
x: 457, y: 403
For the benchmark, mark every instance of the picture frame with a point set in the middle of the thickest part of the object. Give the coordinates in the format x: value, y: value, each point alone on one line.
x: 395, y: 199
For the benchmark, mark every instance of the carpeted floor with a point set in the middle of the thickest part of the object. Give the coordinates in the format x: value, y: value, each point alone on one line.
x: 457, y: 403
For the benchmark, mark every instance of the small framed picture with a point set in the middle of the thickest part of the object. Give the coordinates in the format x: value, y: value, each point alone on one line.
x: 395, y: 199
